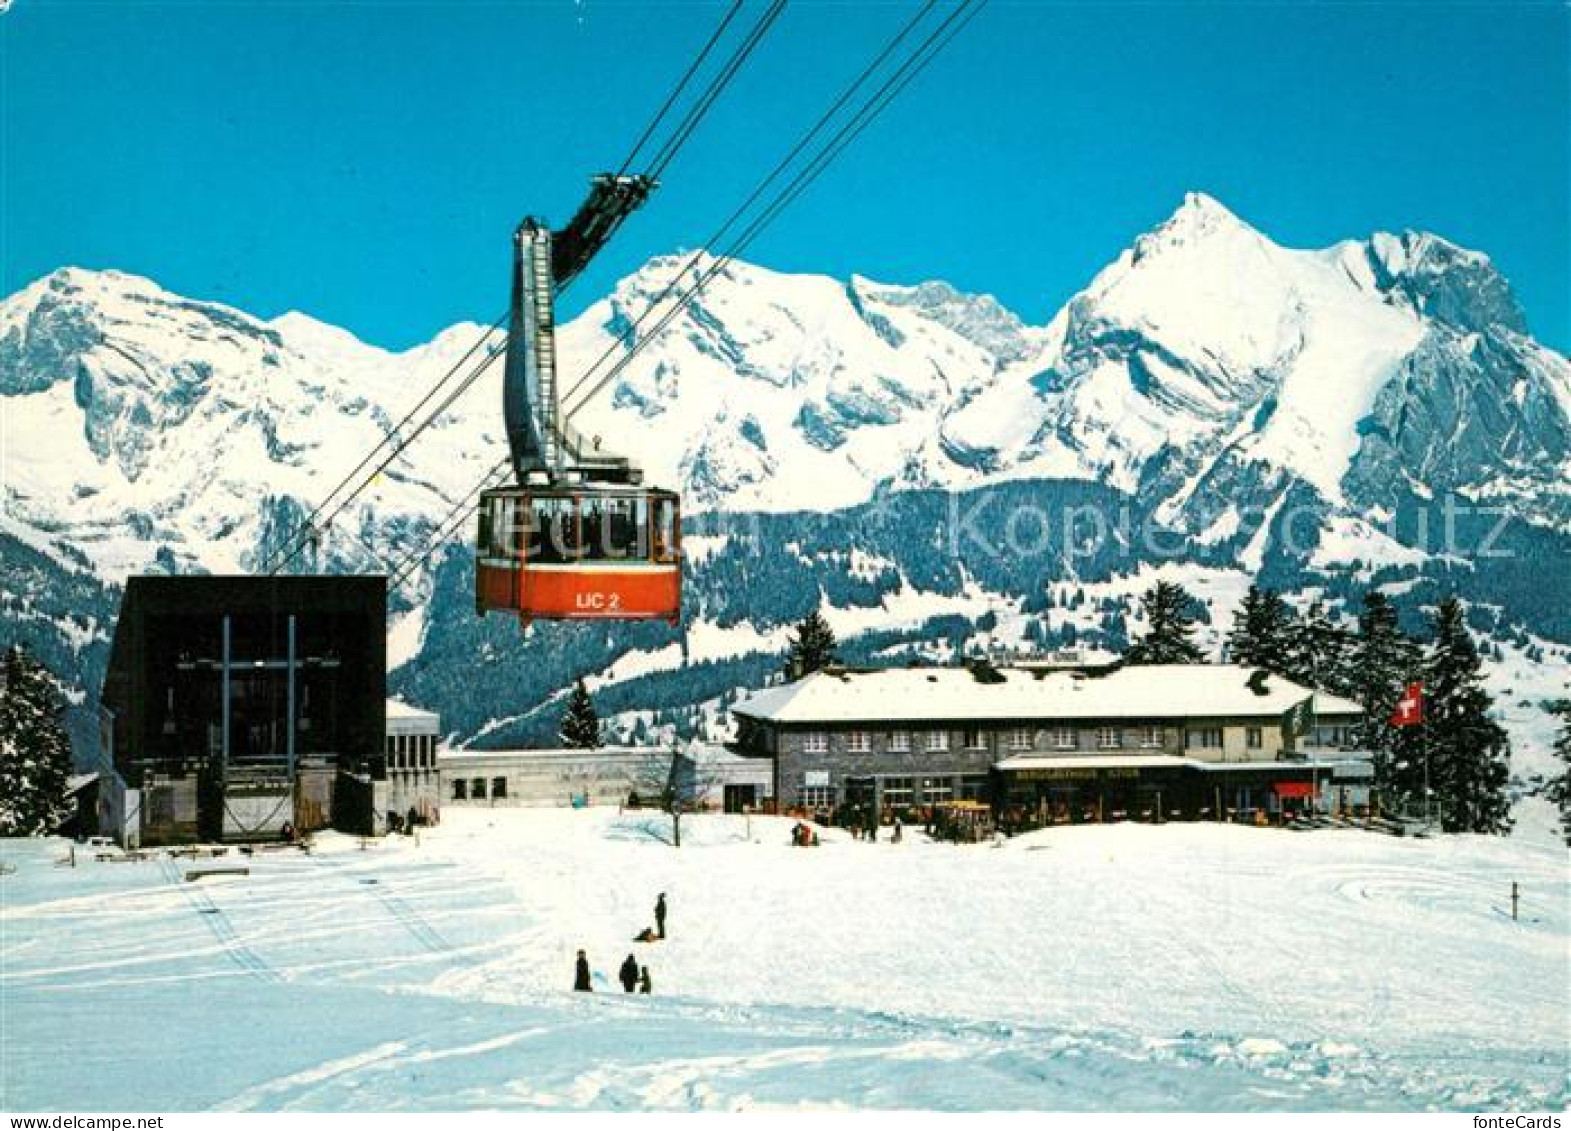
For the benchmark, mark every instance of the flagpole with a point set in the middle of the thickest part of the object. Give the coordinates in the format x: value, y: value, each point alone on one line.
x: 1423, y: 744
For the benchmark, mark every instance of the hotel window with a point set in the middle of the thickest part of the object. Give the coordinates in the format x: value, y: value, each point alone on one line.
x: 974, y: 787
x: 1204, y: 738
x: 899, y: 741
x: 460, y: 789
x: 899, y: 793
x: 1149, y: 738
x: 859, y: 742
x: 973, y: 739
x: 1064, y: 738
x: 935, y: 790
x: 1020, y: 738
x: 818, y: 796
x: 1107, y: 738
x: 938, y: 741
x: 1255, y: 738
x: 477, y: 789
x: 1336, y: 736
x: 498, y: 787
x: 815, y: 742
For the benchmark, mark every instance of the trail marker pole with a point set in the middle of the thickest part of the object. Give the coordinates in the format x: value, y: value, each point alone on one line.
x: 1514, y: 896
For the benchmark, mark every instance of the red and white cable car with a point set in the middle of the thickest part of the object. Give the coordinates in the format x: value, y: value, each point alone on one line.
x: 601, y: 552
x: 578, y: 537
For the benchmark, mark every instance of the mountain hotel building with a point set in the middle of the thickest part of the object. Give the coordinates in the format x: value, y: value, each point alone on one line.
x: 1190, y: 741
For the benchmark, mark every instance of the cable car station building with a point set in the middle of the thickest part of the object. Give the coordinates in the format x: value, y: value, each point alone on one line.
x: 233, y: 706
x: 1052, y: 745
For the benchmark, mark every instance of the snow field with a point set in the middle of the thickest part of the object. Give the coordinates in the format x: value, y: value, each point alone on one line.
x: 1112, y: 967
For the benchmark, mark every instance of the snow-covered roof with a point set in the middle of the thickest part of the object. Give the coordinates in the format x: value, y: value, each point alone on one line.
x: 398, y: 709
x: 1328, y: 704
x: 554, y: 753
x: 77, y: 782
x: 935, y: 694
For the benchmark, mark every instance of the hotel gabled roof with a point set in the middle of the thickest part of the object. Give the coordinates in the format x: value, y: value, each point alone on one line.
x: 955, y: 694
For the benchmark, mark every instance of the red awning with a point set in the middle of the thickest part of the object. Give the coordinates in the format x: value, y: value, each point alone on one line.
x: 1294, y: 789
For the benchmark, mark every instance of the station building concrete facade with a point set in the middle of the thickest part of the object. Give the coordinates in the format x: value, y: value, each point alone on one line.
x: 235, y: 707
x: 709, y: 777
x: 412, y: 793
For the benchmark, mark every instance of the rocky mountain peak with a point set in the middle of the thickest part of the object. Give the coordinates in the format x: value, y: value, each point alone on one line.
x: 1442, y: 281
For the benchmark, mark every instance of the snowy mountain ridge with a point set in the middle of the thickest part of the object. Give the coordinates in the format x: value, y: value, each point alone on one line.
x: 1205, y: 363
x: 1204, y: 378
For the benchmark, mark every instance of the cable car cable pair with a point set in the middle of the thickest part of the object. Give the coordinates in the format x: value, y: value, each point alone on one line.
x: 859, y: 121
x: 307, y: 533
x: 907, y: 71
x: 630, y: 333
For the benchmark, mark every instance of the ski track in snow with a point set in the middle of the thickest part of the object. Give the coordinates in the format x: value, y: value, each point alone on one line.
x: 431, y: 977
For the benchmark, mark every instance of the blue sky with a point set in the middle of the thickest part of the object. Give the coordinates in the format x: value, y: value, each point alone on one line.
x: 366, y: 162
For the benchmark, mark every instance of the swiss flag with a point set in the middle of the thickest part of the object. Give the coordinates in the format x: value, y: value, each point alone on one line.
x: 1410, y: 708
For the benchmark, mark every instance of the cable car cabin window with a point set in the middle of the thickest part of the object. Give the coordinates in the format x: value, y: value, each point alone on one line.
x: 665, y: 531
x: 613, y: 529
x: 500, y: 536
x: 594, y: 525
x: 553, y: 530
x: 641, y: 524
x: 488, y: 528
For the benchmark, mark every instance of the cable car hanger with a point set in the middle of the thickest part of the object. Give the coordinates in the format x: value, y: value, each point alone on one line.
x: 577, y: 536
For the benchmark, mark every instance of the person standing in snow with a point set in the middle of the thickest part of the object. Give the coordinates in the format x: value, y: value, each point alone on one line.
x: 581, y: 975
x: 629, y: 974
x: 644, y: 985
x: 660, y: 915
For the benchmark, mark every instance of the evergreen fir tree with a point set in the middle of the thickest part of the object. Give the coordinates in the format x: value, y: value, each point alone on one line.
x: 1558, y: 790
x: 13, y: 788
x: 1320, y: 653
x: 1170, y: 623
x: 1469, y: 753
x: 1384, y: 660
x: 1262, y: 633
x: 580, y: 728
x: 812, y: 648
x: 35, y: 753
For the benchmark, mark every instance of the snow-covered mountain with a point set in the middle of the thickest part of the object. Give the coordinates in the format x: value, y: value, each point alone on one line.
x: 1205, y: 377
x: 141, y: 426
x: 1203, y: 358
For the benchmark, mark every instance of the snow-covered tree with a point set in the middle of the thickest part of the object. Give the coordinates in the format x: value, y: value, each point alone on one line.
x: 35, y: 753
x: 1320, y: 652
x: 1469, y: 752
x: 812, y: 648
x: 1384, y: 660
x: 1558, y: 789
x: 1170, y: 624
x: 580, y: 729
x: 1261, y: 636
